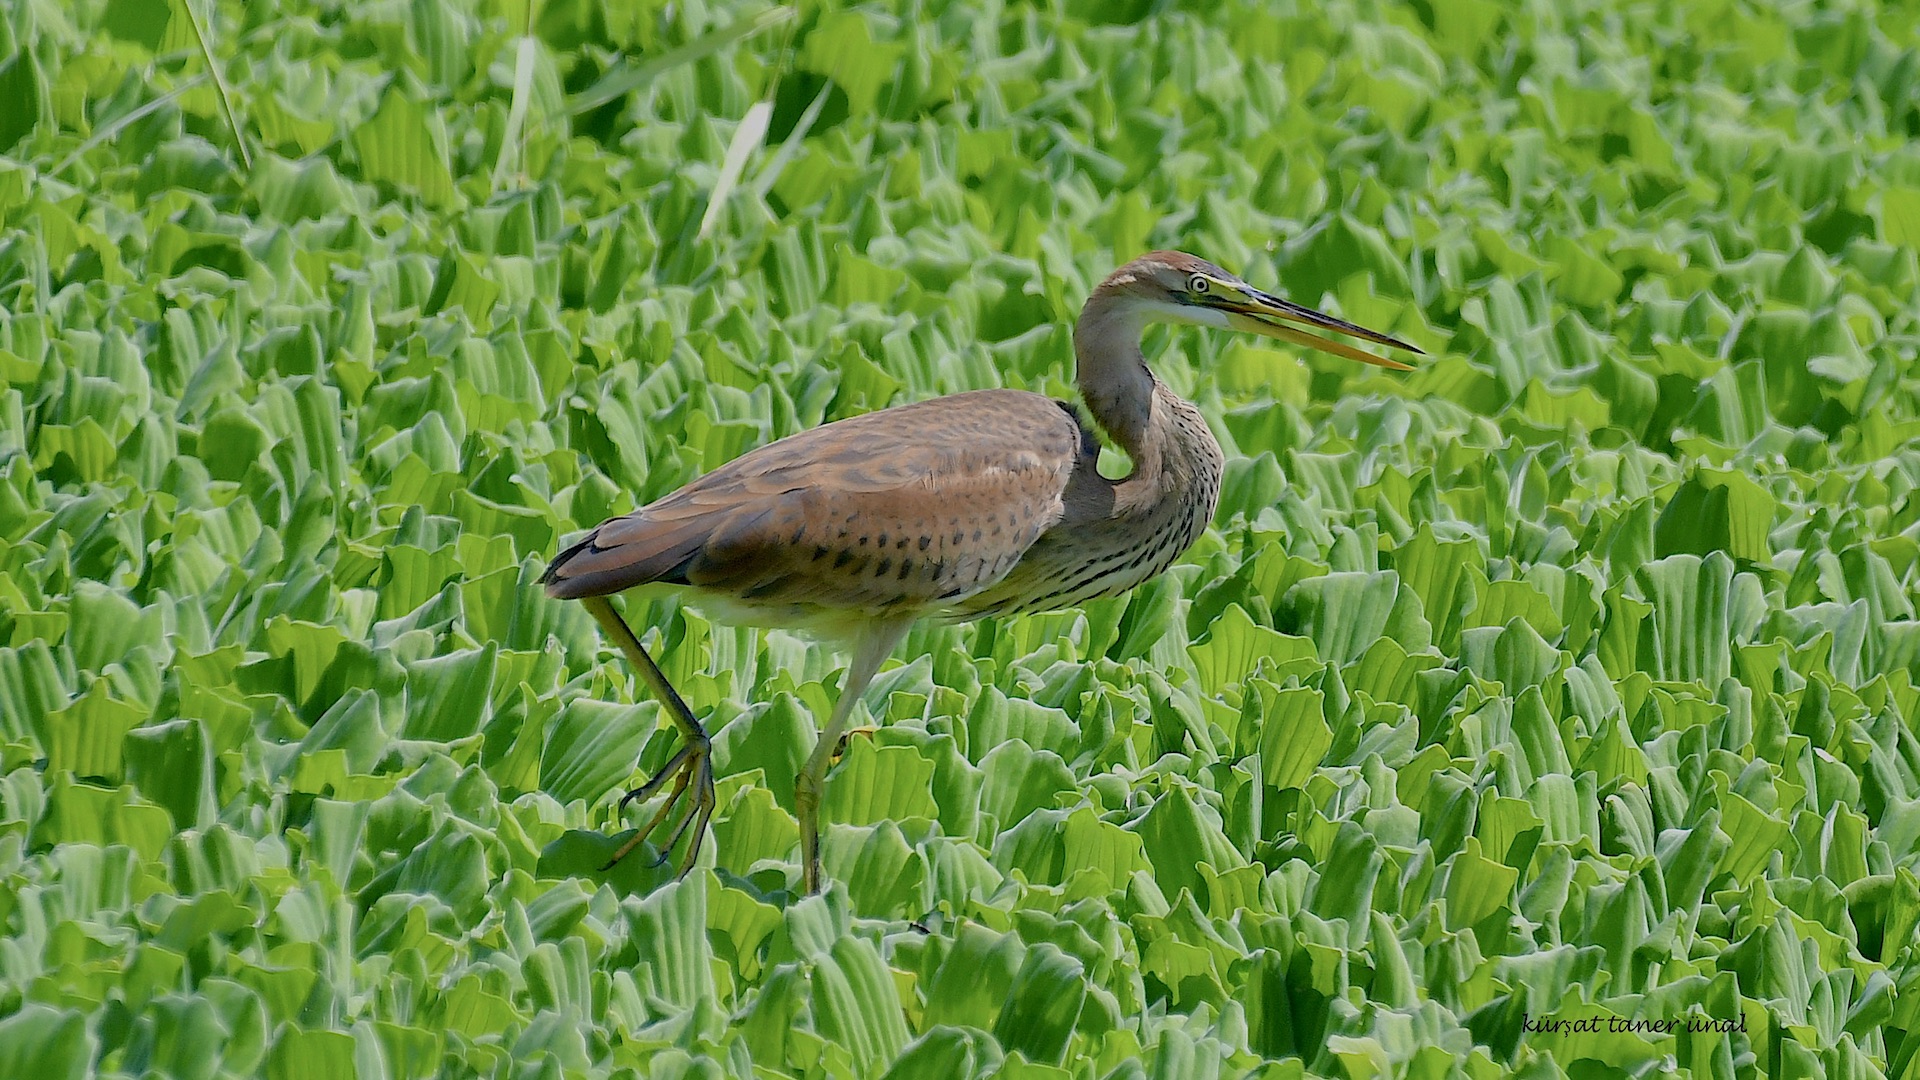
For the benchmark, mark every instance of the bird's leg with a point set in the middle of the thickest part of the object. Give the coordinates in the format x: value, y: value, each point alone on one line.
x: 868, y: 652
x: 811, y: 783
x: 691, y: 767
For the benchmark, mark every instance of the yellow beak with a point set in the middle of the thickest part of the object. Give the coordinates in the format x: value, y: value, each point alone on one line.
x: 1270, y: 316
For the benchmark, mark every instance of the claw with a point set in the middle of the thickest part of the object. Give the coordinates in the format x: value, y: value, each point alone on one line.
x: 691, y: 767
x: 673, y: 837
x: 704, y: 804
x: 652, y: 787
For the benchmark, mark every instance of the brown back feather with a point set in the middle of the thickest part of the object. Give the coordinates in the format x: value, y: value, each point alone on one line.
x: 905, y: 505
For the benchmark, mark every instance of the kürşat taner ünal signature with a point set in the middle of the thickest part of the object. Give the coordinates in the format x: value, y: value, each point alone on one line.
x: 1616, y: 1023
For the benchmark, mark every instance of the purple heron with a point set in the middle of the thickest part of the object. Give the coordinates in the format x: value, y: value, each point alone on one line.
x: 973, y: 504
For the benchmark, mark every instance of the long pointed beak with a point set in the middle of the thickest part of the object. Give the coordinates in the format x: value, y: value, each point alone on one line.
x: 1270, y: 316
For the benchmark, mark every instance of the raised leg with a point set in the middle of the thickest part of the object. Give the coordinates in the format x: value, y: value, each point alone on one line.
x: 869, y: 650
x: 690, y: 769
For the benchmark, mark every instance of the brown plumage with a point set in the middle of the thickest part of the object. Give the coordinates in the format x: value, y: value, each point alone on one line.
x: 900, y: 509
x: 980, y: 503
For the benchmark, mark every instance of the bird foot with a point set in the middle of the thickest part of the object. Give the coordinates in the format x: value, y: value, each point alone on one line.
x: 691, y: 768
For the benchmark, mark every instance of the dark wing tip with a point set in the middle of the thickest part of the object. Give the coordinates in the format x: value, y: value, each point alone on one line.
x: 555, y: 578
x: 628, y: 565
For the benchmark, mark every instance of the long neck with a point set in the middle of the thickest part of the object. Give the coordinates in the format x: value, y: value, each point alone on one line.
x: 1165, y: 436
x: 1112, y: 372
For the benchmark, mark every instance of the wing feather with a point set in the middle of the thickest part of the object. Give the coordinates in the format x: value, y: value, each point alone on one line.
x: 914, y: 505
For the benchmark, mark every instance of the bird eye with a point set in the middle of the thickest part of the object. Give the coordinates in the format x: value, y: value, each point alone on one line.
x: 1197, y: 284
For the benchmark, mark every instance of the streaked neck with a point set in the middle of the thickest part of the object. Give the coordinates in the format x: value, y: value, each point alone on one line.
x: 1112, y: 372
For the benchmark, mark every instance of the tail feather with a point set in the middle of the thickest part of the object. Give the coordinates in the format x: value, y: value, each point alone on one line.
x: 636, y: 557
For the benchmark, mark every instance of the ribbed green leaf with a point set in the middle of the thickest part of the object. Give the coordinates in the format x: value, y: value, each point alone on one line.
x: 1755, y: 835
x: 447, y: 696
x: 590, y: 747
x: 172, y: 765
x: 997, y: 719
x: 1343, y: 614
x: 1017, y: 780
x: 883, y: 873
x: 1294, y: 734
x: 856, y: 1005
x: 1476, y: 886
x: 1692, y: 628
x: 743, y: 924
x: 1042, y: 1006
x: 405, y: 144
x: 1092, y: 844
x: 944, y: 1051
x: 970, y: 985
x: 87, y: 737
x: 43, y: 1041
x: 1437, y: 572
x: 309, y: 1055
x: 878, y: 783
x: 1236, y: 645
x: 753, y: 827
x: 670, y: 930
x: 1177, y: 834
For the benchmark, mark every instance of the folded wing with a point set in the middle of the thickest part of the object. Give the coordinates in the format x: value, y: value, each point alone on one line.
x: 911, y: 507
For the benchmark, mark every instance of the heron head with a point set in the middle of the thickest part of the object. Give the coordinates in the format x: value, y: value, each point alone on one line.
x: 1172, y: 286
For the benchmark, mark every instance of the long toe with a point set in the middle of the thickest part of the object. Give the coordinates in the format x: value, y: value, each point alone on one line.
x: 690, y: 771
x: 704, y: 801
x: 671, y: 771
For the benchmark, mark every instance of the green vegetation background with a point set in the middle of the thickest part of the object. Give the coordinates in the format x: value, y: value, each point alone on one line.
x: 1570, y: 676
